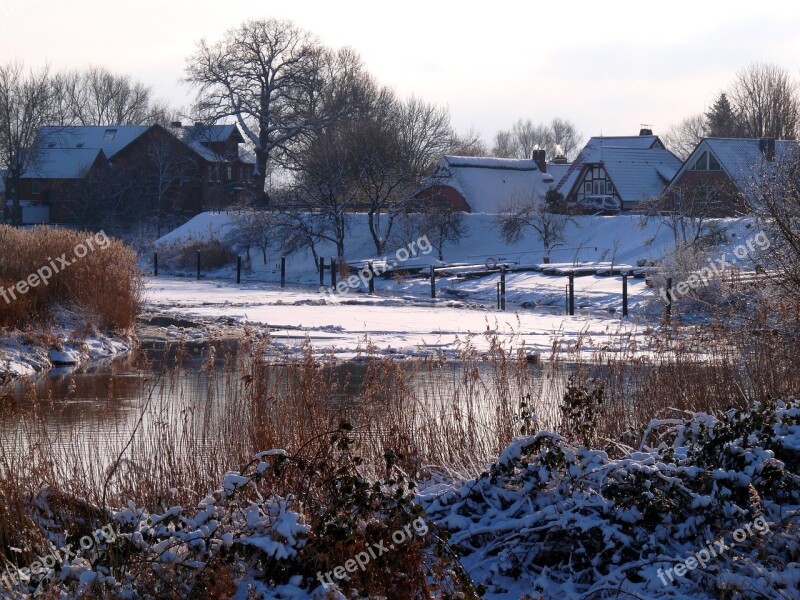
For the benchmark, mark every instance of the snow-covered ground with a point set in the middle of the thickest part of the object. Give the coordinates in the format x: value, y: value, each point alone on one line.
x: 399, y: 325
x: 402, y: 319
x: 65, y: 345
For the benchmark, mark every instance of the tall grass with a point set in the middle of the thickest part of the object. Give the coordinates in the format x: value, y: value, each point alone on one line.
x: 105, y: 285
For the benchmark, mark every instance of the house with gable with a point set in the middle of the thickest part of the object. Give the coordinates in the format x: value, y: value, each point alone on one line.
x: 630, y: 168
x: 722, y: 175
x: 485, y: 185
x: 159, y: 171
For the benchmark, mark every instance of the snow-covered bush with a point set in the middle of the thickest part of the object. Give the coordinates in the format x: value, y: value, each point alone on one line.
x: 567, y: 520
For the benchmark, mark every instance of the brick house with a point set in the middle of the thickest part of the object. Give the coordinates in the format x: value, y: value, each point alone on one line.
x: 140, y: 171
x: 483, y: 184
x: 721, y: 176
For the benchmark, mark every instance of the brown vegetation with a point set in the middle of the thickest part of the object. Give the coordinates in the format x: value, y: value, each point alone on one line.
x: 104, y: 284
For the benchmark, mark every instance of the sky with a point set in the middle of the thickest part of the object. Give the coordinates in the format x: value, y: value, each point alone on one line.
x: 609, y: 67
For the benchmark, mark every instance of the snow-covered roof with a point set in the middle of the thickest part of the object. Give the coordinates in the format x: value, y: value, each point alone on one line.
x: 197, y: 137
x: 109, y: 139
x: 490, y: 184
x: 742, y: 159
x: 639, y: 166
x: 62, y: 163
x: 558, y: 170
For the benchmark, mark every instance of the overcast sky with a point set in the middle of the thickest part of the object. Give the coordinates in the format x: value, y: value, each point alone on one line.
x: 607, y: 66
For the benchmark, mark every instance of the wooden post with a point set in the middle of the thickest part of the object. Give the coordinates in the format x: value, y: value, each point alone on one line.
x: 238, y: 269
x: 155, y: 264
x: 321, y: 271
x: 502, y: 288
x: 371, y: 278
x: 498, y: 295
x: 198, y: 265
x: 624, y: 294
x: 433, y: 282
x: 283, y: 271
x: 668, y: 308
x: 572, y: 294
x: 333, y: 272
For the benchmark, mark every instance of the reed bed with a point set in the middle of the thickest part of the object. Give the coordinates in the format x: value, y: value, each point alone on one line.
x: 441, y: 418
x: 102, y: 279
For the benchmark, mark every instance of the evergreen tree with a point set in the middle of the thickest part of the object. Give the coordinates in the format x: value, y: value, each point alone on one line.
x: 722, y: 120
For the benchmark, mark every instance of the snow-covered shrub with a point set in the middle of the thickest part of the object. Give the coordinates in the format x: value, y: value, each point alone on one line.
x: 274, y: 527
x: 567, y: 520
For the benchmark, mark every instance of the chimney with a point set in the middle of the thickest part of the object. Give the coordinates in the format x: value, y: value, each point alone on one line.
x: 645, y: 131
x: 176, y: 124
x: 560, y: 160
x: 767, y: 147
x: 539, y: 157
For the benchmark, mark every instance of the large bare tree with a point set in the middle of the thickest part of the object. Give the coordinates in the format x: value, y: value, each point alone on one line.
x: 765, y: 99
x: 266, y: 74
x: 26, y: 104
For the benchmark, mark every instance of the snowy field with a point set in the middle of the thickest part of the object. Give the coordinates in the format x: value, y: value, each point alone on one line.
x: 402, y: 319
x: 403, y: 326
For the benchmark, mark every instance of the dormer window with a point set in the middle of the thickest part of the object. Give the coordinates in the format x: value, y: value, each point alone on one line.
x: 109, y: 134
x: 706, y: 162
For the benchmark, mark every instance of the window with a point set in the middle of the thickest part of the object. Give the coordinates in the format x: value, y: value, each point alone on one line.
x: 587, y: 188
x: 706, y: 162
x: 217, y: 170
x: 210, y: 174
x: 230, y: 173
x: 109, y: 134
x: 36, y: 187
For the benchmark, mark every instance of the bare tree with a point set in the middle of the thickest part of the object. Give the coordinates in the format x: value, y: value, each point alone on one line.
x: 442, y: 224
x: 324, y: 185
x: 777, y: 198
x: 266, y: 74
x: 559, y: 136
x: 468, y: 143
x: 565, y: 137
x: 26, y: 104
x: 97, y: 96
x: 253, y: 227
x: 681, y: 139
x: 402, y: 142
x: 169, y: 167
x: 685, y: 212
x: 532, y: 212
x: 765, y: 98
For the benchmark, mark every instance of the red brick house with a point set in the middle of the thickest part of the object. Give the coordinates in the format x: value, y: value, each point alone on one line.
x: 142, y: 171
x: 226, y: 170
x: 721, y: 176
